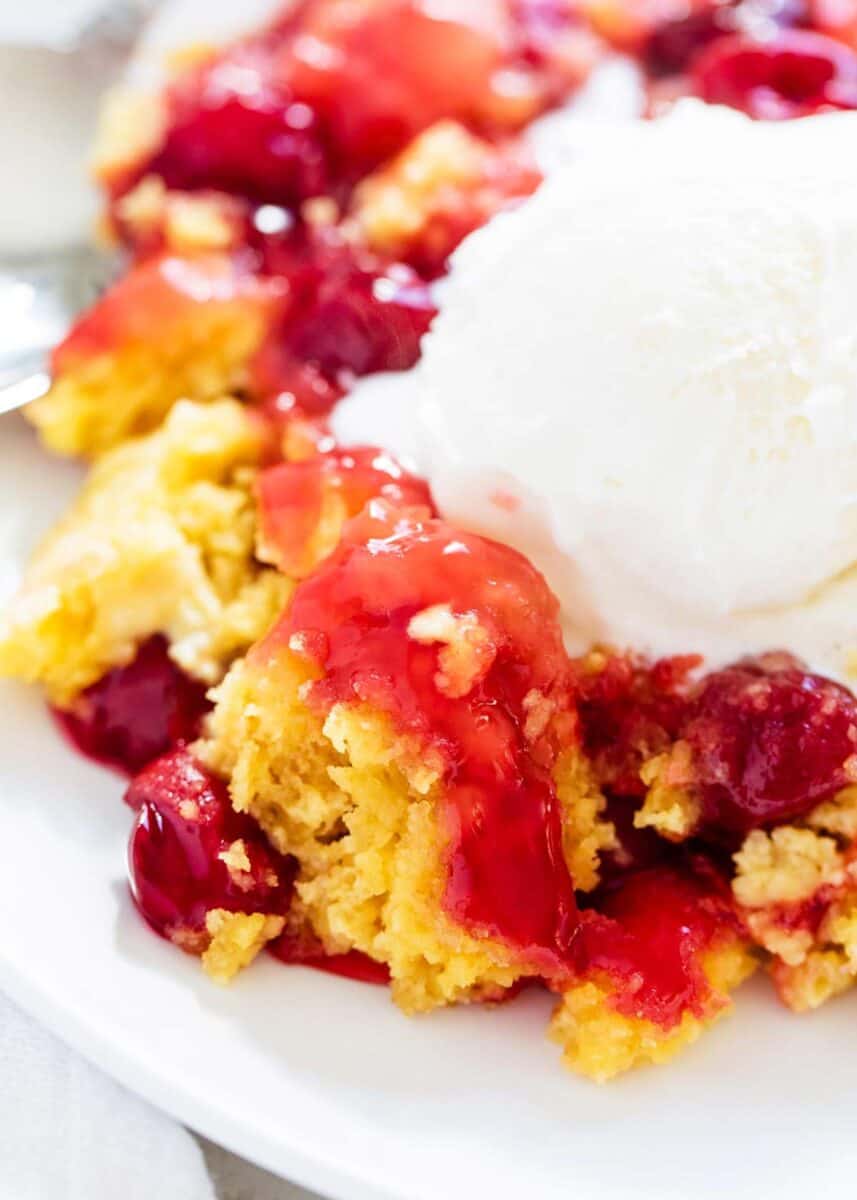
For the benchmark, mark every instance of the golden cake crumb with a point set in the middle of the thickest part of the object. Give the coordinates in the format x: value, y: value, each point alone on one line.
x: 160, y: 540
x: 837, y: 816
x: 797, y: 886
x: 236, y: 939
x: 356, y: 804
x: 396, y: 205
x: 130, y: 127
x: 784, y: 866
x: 585, y: 831
x: 600, y: 1042
x: 187, y: 222
x: 820, y: 976
x: 468, y: 648
x: 177, y: 328
x: 669, y: 807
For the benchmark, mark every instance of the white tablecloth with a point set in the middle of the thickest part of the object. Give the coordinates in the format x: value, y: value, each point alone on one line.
x: 67, y: 1132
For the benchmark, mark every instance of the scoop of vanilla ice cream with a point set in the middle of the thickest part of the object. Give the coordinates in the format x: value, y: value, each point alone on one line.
x: 645, y: 378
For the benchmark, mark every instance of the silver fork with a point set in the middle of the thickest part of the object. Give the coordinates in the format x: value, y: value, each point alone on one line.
x: 41, y: 294
x: 39, y: 298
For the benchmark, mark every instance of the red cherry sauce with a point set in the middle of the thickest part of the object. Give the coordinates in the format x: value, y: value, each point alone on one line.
x: 381, y: 74
x: 795, y: 74
x: 769, y: 741
x: 349, y: 313
x: 235, y: 126
x: 648, y: 933
x: 137, y: 712
x: 507, y: 878
x: 158, y: 293
x: 305, y: 950
x: 184, y: 824
x: 293, y: 498
x: 673, y: 45
x: 630, y: 710
x: 329, y: 91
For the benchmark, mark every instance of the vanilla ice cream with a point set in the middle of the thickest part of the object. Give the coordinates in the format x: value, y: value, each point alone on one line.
x: 645, y: 378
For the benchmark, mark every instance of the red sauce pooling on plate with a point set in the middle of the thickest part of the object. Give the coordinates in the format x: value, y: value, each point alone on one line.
x: 137, y: 712
x: 306, y: 951
x: 184, y: 831
x: 507, y: 875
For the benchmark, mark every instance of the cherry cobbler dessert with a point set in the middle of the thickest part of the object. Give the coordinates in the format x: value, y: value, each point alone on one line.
x: 476, y: 713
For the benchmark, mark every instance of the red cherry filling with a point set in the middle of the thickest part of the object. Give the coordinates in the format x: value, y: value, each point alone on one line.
x: 333, y: 89
x: 769, y: 741
x: 649, y: 934
x: 137, y: 712
x: 673, y: 45
x: 365, y: 322
x: 190, y: 852
x: 236, y: 127
x: 347, y: 314
x: 304, y: 950
x: 630, y: 709
x: 302, y: 506
x: 793, y: 75
x: 507, y: 877
x: 158, y: 295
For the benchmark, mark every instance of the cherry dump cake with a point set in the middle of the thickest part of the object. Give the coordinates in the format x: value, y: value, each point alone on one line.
x: 503, y: 722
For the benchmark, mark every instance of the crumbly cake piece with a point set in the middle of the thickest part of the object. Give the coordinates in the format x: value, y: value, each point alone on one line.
x: 160, y: 541
x: 796, y: 886
x: 237, y: 938
x: 354, y: 803
x: 444, y: 184
x: 172, y: 328
x: 365, y: 778
x: 377, y: 802
x: 600, y: 1042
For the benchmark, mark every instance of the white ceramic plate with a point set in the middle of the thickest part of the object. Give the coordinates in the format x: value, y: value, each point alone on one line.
x: 322, y: 1079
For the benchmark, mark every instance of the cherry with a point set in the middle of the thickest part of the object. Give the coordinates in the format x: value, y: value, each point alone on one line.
x: 795, y: 74
x: 190, y: 852
x: 134, y: 713
x: 769, y: 742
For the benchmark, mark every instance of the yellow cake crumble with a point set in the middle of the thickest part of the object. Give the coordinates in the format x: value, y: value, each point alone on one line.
x: 160, y: 540
x: 173, y: 328
x: 356, y: 804
x: 797, y: 888
x: 130, y: 127
x: 600, y: 1042
x: 236, y: 939
x: 185, y: 222
x: 444, y: 183
x: 669, y: 808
